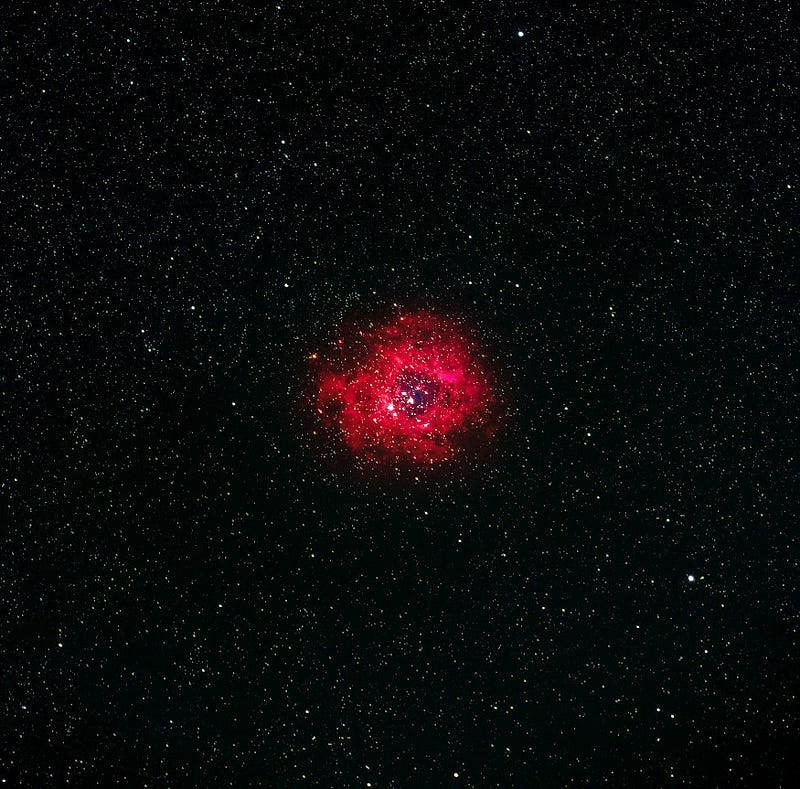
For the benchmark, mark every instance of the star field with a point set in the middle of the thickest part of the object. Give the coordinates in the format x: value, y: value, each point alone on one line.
x: 197, y: 588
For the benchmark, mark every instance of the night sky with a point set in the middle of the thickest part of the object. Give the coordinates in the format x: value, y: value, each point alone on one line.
x: 198, y: 587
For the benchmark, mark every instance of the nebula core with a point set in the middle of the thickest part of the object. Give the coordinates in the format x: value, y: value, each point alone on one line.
x: 411, y: 389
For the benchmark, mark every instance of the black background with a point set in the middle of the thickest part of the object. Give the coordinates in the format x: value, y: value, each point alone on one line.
x: 194, y: 195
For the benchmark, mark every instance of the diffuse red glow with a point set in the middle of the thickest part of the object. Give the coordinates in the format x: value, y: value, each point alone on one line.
x: 413, y: 389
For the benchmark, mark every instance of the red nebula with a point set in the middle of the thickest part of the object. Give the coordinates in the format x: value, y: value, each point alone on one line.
x: 414, y: 389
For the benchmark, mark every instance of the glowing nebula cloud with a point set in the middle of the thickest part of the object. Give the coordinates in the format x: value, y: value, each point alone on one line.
x: 414, y: 389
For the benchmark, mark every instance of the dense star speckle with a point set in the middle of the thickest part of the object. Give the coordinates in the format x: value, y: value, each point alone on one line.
x: 531, y: 523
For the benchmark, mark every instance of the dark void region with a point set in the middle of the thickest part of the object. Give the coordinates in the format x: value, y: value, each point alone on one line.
x: 415, y: 393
